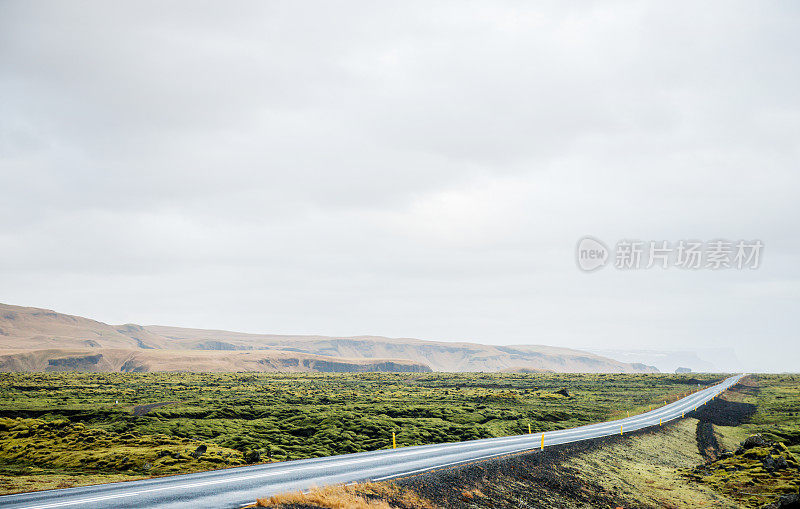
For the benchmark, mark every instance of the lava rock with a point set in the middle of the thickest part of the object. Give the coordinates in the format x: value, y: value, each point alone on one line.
x: 791, y: 501
x: 252, y: 457
x: 200, y: 451
x: 754, y: 441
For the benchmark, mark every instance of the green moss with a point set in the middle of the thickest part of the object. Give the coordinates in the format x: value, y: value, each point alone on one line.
x: 63, y: 445
x: 752, y: 476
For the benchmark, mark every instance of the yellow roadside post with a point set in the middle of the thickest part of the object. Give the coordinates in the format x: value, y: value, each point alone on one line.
x: 529, y: 428
x: 620, y: 429
x: 682, y: 414
x: 628, y: 413
x: 394, y: 441
x: 543, y: 441
x: 659, y: 421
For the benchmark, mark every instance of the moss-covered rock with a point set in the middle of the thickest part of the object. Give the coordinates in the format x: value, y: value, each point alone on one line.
x: 758, y: 473
x: 62, y: 444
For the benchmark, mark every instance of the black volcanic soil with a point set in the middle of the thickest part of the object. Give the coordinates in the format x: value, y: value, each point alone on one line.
x: 552, y: 482
x: 719, y: 412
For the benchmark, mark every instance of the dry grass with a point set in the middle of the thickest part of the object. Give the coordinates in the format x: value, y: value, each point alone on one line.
x: 357, y: 496
x: 473, y: 493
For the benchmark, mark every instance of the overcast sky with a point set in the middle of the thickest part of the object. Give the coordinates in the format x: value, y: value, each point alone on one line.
x: 404, y: 169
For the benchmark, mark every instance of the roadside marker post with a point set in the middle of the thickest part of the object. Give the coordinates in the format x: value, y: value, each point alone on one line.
x: 543, y: 441
x: 529, y: 428
x: 394, y: 441
x: 620, y: 429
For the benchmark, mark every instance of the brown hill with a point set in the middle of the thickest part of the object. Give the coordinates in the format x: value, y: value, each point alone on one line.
x: 138, y: 361
x: 33, y: 328
x: 439, y: 355
x: 42, y: 340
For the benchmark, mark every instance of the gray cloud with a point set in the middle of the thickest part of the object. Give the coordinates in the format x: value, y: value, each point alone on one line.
x: 411, y: 169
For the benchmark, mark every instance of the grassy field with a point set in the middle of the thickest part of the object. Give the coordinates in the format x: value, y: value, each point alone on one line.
x: 777, y: 416
x: 64, y: 429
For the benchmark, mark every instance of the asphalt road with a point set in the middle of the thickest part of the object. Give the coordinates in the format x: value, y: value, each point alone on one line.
x: 235, y: 487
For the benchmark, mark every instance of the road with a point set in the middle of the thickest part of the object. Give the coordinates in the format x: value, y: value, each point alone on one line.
x: 235, y: 487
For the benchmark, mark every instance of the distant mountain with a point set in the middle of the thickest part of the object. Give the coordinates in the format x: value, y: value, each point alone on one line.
x: 701, y: 360
x: 33, y: 339
x: 439, y: 355
x: 143, y: 360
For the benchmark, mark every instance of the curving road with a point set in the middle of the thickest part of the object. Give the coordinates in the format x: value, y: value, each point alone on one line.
x: 235, y: 487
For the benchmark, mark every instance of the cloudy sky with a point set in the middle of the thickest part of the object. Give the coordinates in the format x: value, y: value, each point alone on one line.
x: 404, y: 169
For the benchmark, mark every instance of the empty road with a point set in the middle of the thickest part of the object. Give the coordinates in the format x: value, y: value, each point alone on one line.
x: 235, y: 487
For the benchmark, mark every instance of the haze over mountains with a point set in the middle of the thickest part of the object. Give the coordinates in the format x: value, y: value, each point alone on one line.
x: 33, y: 339
x: 703, y: 360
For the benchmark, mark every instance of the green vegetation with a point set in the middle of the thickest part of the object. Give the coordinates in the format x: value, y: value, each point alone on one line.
x: 777, y: 417
x: 758, y: 462
x: 757, y: 472
x: 77, y: 427
x: 67, y: 445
